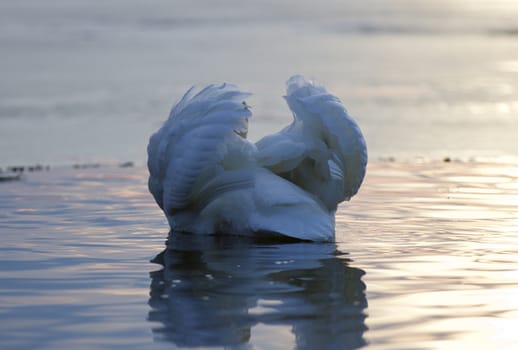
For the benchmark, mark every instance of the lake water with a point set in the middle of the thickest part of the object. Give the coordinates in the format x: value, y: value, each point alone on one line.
x: 87, y: 81
x: 425, y: 255
x: 425, y: 258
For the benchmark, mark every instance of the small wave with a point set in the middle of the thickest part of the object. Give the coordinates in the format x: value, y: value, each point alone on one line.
x: 510, y: 31
x: 421, y: 29
x: 380, y: 29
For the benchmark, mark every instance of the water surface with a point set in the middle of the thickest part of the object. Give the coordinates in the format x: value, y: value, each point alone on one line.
x: 425, y: 258
x: 422, y: 78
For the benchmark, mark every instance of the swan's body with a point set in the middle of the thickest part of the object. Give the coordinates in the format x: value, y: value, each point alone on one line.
x: 208, y: 178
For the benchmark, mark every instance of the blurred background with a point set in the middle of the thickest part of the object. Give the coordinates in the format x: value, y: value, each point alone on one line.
x: 89, y: 81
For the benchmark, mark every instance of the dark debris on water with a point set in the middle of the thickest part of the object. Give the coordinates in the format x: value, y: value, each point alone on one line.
x: 9, y: 176
x: 15, y: 172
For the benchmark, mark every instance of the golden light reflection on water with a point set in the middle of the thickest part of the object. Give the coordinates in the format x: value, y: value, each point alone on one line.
x: 442, y: 257
x: 509, y: 66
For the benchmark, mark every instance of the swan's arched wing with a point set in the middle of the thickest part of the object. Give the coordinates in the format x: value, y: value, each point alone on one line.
x: 323, y: 151
x: 326, y: 115
x: 191, y: 143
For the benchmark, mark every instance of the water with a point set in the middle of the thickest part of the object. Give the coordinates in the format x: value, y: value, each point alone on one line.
x: 223, y: 292
x: 422, y: 78
x: 425, y: 255
x: 425, y: 258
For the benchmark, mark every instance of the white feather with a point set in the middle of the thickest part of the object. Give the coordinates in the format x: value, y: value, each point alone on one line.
x: 334, y: 157
x: 208, y: 178
x: 191, y: 142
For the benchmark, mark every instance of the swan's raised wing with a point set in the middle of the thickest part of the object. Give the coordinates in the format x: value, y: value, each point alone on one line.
x: 192, y: 143
x: 323, y: 151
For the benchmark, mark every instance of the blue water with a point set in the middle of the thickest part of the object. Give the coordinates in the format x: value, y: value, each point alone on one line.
x: 425, y: 258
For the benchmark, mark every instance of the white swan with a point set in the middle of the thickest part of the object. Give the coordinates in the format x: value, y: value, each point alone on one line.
x: 208, y: 178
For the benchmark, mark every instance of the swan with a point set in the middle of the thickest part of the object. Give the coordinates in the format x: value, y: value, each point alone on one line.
x: 208, y: 178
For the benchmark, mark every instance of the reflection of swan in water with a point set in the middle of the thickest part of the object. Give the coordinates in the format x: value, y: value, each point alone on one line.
x: 213, y: 291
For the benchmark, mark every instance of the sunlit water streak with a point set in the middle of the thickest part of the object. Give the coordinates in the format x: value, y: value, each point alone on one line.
x: 439, y: 243
x: 425, y: 258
